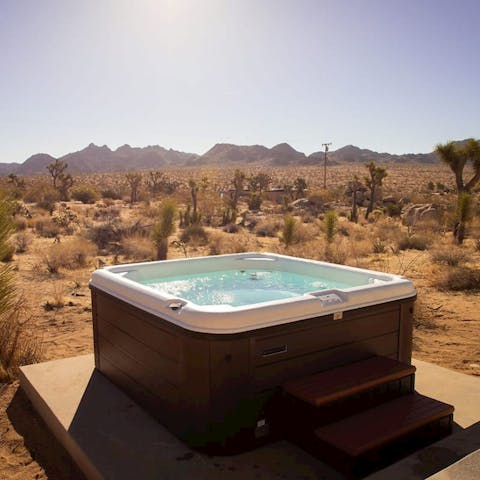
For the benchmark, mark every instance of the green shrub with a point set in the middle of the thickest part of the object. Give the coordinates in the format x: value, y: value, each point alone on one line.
x: 85, y: 194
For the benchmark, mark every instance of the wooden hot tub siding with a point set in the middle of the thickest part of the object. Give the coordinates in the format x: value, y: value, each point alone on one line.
x: 207, y: 388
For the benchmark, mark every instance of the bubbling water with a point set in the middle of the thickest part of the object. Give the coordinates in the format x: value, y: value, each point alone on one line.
x: 240, y: 287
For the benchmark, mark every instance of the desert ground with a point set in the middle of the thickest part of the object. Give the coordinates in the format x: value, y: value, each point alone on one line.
x: 56, y: 246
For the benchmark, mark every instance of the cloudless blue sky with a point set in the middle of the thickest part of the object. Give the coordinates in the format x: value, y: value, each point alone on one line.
x: 390, y: 75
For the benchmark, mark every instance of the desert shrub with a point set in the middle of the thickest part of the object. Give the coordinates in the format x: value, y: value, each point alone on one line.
x: 379, y: 245
x: 231, y: 228
x: 194, y: 234
x: 65, y: 218
x: 111, y: 194
x: 46, y: 227
x: 21, y: 241
x: 414, y: 242
x: 288, y: 231
x: 221, y: 243
x: 18, y: 343
x: 72, y: 254
x: 137, y: 247
x: 267, y: 228
x: 43, y: 195
x: 85, y: 194
x: 105, y: 233
x: 20, y: 224
x: 106, y: 213
x: 459, y: 279
x: 336, y: 253
x: 451, y: 257
x: 393, y: 209
x: 304, y: 233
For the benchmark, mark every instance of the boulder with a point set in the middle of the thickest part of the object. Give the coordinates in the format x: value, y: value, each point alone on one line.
x: 416, y: 213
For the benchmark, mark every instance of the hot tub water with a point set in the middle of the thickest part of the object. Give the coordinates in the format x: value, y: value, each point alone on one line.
x: 241, y: 287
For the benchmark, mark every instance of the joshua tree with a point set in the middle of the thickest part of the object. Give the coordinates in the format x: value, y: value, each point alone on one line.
x: 354, y: 186
x: 155, y: 180
x: 194, y: 194
x: 259, y: 183
x: 464, y: 213
x: 64, y: 186
x: 16, y: 181
x: 56, y: 169
x: 6, y: 226
x: 373, y: 181
x: 134, y: 181
x: 300, y: 185
x: 164, y: 228
x: 457, y: 158
x: 238, y: 183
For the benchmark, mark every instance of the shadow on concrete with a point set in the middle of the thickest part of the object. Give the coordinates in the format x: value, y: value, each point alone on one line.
x: 42, y: 445
x: 442, y: 454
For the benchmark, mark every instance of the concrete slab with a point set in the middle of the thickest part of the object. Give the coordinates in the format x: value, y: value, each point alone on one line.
x: 110, y: 437
x: 458, y: 389
x: 467, y: 468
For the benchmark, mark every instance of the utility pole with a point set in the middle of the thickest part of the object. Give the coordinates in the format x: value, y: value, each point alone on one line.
x: 326, y: 145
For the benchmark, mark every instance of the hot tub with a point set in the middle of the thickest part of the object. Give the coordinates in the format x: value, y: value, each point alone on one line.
x: 204, y: 343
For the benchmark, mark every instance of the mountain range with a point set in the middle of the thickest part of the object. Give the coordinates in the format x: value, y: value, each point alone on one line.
x: 94, y: 158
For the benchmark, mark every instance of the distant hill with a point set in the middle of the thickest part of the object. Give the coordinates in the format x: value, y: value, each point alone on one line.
x: 226, y: 153
x: 101, y: 159
x: 352, y: 154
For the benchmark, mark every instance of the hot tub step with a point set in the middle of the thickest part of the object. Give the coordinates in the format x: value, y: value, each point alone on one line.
x: 383, y: 434
x: 338, y: 383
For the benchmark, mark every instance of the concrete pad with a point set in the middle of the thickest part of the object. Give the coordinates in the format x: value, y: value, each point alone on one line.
x: 110, y: 437
x: 460, y: 390
x: 467, y: 468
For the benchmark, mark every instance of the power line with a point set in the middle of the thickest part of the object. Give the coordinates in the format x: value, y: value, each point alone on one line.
x: 326, y: 145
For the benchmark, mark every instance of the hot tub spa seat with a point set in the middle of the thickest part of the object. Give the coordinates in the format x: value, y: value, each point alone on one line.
x: 212, y: 373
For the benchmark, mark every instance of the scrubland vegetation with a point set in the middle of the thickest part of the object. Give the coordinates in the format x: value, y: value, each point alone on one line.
x: 409, y: 220
x: 54, y: 231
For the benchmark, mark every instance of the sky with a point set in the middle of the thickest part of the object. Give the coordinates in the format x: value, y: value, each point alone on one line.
x: 394, y: 76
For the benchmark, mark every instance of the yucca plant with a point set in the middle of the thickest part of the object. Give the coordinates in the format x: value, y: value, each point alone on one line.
x: 6, y: 228
x: 330, y: 223
x: 288, y: 233
x: 164, y: 228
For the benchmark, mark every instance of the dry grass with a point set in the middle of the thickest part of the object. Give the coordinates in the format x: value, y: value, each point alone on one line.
x: 71, y: 254
x: 18, y: 343
x: 459, y: 279
x: 137, y: 247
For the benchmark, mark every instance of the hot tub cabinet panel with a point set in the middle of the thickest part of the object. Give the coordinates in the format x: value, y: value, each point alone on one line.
x: 212, y: 388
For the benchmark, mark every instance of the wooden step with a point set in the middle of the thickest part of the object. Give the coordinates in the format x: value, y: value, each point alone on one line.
x: 379, y: 426
x: 335, y: 384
